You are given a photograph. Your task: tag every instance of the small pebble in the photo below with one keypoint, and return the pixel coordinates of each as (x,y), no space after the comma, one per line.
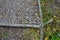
(36,14)
(35,3)
(1,16)
(54,16)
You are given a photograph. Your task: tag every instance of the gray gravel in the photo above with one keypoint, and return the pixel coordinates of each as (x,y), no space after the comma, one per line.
(18,34)
(19,12)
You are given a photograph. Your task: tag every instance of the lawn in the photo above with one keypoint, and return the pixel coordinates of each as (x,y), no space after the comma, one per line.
(51,11)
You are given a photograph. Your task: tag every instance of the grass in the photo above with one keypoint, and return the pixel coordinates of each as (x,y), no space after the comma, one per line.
(52,30)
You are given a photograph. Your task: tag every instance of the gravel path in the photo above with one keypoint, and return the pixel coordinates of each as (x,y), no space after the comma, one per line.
(19,34)
(19,12)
